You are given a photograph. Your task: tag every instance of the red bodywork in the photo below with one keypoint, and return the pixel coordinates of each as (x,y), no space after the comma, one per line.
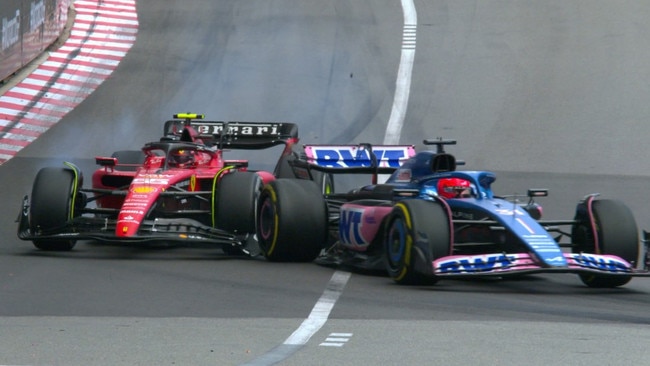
(171,191)
(143,184)
(156,176)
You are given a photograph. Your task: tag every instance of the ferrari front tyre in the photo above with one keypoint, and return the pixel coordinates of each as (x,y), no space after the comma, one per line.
(616,233)
(292,221)
(417,233)
(51,207)
(235,202)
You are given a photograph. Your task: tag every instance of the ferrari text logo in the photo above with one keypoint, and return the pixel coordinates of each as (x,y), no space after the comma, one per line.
(239,129)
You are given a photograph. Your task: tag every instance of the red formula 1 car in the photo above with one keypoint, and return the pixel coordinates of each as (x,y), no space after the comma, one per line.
(179,190)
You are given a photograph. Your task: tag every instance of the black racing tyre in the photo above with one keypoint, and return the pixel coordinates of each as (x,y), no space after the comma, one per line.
(52,207)
(292,221)
(130,157)
(235,202)
(617,235)
(417,232)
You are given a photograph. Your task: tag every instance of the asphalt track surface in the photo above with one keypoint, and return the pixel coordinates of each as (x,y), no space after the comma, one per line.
(547,94)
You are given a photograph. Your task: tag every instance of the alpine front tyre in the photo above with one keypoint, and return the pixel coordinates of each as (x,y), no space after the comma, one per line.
(615,231)
(417,233)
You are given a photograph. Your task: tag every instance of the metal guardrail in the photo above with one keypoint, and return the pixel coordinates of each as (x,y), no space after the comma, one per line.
(29,27)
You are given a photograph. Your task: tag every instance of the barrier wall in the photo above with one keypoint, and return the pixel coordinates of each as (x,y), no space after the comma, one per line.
(28,28)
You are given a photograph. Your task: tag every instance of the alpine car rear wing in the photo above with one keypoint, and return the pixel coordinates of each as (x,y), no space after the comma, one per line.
(352,159)
(234,135)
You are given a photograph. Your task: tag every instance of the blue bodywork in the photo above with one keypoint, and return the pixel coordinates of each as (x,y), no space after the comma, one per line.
(488,234)
(508,214)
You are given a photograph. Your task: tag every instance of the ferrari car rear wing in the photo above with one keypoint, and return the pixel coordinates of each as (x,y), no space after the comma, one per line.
(362,158)
(234,135)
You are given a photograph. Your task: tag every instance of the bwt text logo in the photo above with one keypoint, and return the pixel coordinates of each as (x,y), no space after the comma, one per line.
(472,264)
(350,226)
(598,262)
(347,157)
(10,31)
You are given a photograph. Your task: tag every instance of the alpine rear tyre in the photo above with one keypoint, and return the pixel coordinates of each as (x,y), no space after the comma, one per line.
(292,221)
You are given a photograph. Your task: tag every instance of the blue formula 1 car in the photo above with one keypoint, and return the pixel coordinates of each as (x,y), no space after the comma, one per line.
(429,221)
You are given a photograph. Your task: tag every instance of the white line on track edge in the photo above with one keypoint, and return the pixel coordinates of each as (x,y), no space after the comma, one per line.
(321,310)
(403,83)
(323,307)
(309,326)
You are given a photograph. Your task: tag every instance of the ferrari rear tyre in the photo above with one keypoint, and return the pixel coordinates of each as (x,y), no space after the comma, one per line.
(617,234)
(292,221)
(236,202)
(417,232)
(52,207)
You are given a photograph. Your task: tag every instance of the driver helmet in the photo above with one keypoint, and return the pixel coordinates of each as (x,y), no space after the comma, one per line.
(454,188)
(181,158)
